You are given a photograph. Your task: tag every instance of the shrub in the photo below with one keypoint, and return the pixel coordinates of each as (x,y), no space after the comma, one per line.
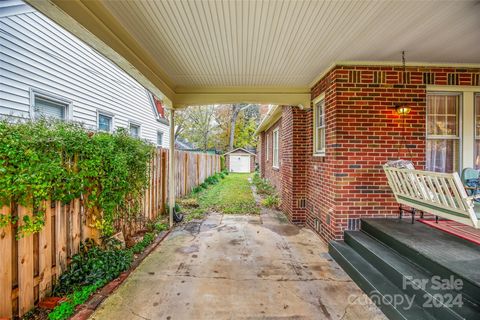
(92,265)
(211,180)
(271,201)
(197,189)
(67,308)
(59,161)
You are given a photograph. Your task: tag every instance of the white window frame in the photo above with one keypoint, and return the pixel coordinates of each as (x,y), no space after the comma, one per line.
(316,129)
(137,124)
(267,146)
(34,93)
(163,134)
(476,161)
(467,118)
(460,128)
(275,149)
(107,114)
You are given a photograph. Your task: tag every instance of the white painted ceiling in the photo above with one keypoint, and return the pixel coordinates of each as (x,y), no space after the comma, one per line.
(277,43)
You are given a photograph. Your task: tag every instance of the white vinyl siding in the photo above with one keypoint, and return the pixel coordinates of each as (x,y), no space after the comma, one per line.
(38,55)
(276,155)
(319,127)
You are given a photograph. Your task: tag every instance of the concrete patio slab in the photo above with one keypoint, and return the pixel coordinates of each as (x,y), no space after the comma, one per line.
(239,267)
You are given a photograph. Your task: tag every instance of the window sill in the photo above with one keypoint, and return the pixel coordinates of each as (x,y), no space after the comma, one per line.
(319,154)
(276,168)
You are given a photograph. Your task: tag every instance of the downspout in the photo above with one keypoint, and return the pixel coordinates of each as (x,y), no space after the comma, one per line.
(171,168)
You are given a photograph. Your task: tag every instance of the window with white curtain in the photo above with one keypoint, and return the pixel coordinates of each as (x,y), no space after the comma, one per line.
(477,131)
(276,162)
(443,132)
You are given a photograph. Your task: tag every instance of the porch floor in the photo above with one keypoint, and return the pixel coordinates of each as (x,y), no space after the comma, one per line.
(239,267)
(459,256)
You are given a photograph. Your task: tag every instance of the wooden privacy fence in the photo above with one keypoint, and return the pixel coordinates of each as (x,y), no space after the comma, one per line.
(30,266)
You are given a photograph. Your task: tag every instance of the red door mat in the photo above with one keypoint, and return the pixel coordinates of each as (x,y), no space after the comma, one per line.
(455,228)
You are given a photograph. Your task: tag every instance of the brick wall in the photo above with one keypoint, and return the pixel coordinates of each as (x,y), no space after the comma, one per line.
(266,168)
(363,132)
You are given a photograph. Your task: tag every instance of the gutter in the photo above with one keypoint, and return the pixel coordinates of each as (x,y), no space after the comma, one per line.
(272,116)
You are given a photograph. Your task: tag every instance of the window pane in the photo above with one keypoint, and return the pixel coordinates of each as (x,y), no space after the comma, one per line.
(320,113)
(477,131)
(134,130)
(442,155)
(477,116)
(49,109)
(159,138)
(104,123)
(442,111)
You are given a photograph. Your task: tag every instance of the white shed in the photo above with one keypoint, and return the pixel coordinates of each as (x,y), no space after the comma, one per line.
(240,160)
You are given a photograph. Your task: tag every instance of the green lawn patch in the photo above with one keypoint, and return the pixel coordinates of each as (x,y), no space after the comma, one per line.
(230,195)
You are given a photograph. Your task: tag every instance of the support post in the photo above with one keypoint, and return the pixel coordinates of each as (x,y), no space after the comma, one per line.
(171,168)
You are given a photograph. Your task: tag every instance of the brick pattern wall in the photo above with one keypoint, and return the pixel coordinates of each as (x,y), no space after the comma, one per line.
(267,170)
(364,132)
(293,171)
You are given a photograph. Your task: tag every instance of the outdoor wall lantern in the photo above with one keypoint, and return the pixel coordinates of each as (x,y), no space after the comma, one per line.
(402,110)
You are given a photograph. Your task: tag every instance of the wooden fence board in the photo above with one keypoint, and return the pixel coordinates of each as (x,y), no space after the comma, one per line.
(45,253)
(25,267)
(6,239)
(29,272)
(60,238)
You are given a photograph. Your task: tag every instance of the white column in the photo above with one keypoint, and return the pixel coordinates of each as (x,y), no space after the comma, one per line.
(171,167)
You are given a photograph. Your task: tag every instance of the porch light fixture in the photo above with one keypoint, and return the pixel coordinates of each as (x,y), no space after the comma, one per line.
(403,109)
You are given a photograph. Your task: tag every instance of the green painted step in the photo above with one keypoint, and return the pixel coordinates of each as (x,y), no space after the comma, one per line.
(423,246)
(375,284)
(396,268)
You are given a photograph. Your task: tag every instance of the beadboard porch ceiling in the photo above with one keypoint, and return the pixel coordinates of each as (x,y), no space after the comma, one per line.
(267,51)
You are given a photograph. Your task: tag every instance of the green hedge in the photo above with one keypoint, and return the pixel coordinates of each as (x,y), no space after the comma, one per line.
(54,160)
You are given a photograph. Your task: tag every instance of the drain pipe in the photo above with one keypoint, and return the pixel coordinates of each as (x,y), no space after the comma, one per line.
(171,168)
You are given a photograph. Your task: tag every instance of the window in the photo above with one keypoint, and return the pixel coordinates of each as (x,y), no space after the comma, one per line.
(105,122)
(48,108)
(319,127)
(477,131)
(159,138)
(134,130)
(443,132)
(267,146)
(275,162)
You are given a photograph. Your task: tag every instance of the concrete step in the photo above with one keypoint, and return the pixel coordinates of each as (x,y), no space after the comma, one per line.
(386,295)
(441,303)
(441,254)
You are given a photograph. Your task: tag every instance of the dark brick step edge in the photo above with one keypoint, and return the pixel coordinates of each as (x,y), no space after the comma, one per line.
(84,311)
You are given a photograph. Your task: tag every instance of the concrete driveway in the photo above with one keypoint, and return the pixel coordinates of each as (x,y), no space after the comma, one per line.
(239,267)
